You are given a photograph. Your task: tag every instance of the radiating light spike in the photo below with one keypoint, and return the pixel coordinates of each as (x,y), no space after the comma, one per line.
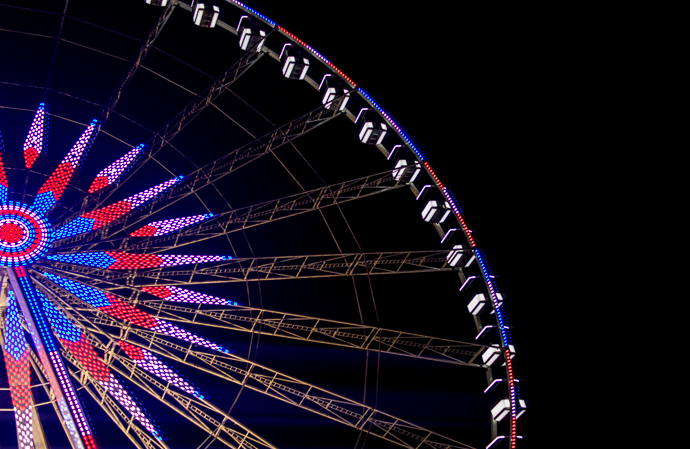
(51,191)
(115,260)
(75,342)
(114,172)
(149,362)
(16,353)
(38,327)
(117,308)
(35,143)
(101,217)
(176,294)
(163,227)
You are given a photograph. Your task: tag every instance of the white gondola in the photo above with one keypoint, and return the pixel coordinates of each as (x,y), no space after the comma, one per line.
(373,130)
(250,33)
(477,304)
(205,14)
(455,256)
(334,94)
(436,212)
(295,63)
(405,171)
(502,409)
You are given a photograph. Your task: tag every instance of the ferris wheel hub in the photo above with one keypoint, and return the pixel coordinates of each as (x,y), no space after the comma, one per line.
(25,236)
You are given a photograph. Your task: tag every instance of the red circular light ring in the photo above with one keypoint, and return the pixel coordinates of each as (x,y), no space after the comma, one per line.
(25,236)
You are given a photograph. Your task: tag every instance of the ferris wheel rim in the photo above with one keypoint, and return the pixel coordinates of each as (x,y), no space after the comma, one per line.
(505,342)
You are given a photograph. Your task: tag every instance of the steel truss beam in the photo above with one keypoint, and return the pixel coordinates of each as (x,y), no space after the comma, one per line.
(196,411)
(146,45)
(265,212)
(319,330)
(300,327)
(298,393)
(274,384)
(124,421)
(273,268)
(215,170)
(279,386)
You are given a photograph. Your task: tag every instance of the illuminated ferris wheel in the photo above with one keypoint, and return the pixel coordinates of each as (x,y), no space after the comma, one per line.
(229,243)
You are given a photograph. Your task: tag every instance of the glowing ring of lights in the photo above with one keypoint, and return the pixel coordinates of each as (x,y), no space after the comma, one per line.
(24,235)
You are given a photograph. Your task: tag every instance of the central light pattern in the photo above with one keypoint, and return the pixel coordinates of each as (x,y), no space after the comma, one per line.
(25,236)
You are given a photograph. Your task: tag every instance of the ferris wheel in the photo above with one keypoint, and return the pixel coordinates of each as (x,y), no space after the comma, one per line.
(210,236)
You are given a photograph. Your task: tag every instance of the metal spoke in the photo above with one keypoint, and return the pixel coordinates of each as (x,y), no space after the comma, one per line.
(213,171)
(259,214)
(322,331)
(146,45)
(205,415)
(305,328)
(192,110)
(275,268)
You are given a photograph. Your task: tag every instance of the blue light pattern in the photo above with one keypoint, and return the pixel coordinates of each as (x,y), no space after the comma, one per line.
(77,226)
(96,259)
(89,294)
(15,343)
(60,324)
(254,12)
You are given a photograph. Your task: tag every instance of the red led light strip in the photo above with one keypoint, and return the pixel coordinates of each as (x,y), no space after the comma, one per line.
(509,363)
(466,228)
(318,55)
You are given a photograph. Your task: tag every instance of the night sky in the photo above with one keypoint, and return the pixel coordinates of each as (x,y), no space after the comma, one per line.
(461,84)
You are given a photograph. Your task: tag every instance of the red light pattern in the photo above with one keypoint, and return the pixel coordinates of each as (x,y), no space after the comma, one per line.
(58,180)
(3,175)
(101,217)
(144,231)
(107,214)
(133,352)
(19,380)
(125,312)
(113,172)
(30,156)
(34,143)
(318,55)
(161,292)
(88,358)
(99,183)
(164,227)
(90,361)
(24,235)
(10,232)
(177,294)
(126,261)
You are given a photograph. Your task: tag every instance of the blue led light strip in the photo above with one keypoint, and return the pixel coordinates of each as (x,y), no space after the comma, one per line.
(242,5)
